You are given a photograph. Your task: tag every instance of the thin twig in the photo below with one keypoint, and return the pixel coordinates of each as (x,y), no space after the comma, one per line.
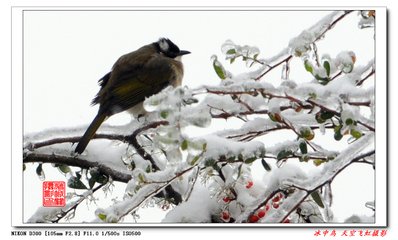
(77,203)
(365,78)
(287,59)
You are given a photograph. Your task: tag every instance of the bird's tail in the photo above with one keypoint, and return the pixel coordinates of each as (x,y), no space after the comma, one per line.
(95,124)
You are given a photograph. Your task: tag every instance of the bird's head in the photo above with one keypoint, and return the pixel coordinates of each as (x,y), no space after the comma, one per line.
(169,49)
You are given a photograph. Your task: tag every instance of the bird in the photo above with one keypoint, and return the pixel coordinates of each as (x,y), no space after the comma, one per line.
(134,77)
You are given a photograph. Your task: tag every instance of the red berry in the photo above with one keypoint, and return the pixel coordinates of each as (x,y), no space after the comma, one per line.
(249,184)
(253,218)
(286,220)
(261,213)
(275,205)
(225,216)
(226,199)
(276,199)
(266,207)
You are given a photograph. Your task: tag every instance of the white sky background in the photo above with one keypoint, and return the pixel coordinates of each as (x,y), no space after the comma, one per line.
(66,52)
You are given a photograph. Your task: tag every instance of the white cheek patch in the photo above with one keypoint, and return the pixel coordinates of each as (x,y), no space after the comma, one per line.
(164,45)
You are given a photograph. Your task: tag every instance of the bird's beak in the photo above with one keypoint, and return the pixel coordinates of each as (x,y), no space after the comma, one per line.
(183,52)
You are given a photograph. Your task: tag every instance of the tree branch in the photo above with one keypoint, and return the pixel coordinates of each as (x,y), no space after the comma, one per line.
(77,162)
(337,172)
(77,203)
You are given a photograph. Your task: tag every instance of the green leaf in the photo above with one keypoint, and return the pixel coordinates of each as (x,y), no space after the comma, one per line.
(312,95)
(250,160)
(232,60)
(266,166)
(337,133)
(164,114)
(303,147)
(355,133)
(39,171)
(322,80)
(318,162)
(284,154)
(326,114)
(338,136)
(240,170)
(64,168)
(317,198)
(304,158)
(219,69)
(99,178)
(319,118)
(349,121)
(308,66)
(307,133)
(141,178)
(210,162)
(91,182)
(204,146)
(322,116)
(148,168)
(102,216)
(231,51)
(326,65)
(194,160)
(76,183)
(184,145)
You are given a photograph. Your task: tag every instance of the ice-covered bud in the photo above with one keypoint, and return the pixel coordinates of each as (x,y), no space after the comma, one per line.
(301,44)
(345,61)
(229,49)
(368,19)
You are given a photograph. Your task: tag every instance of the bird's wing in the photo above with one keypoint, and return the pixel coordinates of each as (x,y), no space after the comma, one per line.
(130,83)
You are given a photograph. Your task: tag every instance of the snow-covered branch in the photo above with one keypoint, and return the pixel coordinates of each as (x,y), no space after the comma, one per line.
(247,122)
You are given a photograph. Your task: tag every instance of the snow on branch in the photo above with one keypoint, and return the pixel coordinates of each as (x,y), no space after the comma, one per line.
(247,122)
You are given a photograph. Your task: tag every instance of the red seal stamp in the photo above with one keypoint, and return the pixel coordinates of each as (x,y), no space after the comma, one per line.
(53,194)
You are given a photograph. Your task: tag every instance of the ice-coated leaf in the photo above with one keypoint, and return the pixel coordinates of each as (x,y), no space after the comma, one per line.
(303,147)
(219,69)
(349,121)
(308,66)
(355,133)
(91,182)
(317,198)
(250,160)
(284,154)
(76,183)
(231,51)
(64,168)
(194,160)
(266,166)
(326,65)
(307,133)
(184,145)
(102,216)
(164,114)
(40,172)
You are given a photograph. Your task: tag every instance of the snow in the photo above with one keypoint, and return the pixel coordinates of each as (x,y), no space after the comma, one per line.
(49,214)
(218,146)
(202,190)
(198,209)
